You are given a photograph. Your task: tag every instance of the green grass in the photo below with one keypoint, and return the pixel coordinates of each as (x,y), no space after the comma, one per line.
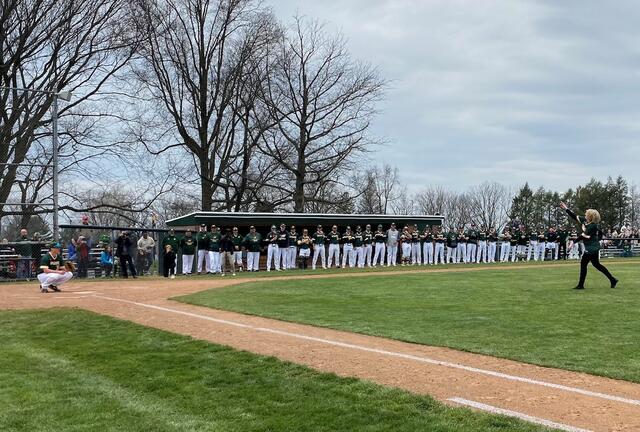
(70,370)
(530,315)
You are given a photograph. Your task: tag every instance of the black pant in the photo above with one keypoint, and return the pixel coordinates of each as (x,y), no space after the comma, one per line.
(169,268)
(594,259)
(124,261)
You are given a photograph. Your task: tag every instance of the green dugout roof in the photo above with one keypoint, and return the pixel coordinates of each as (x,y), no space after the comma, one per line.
(302,220)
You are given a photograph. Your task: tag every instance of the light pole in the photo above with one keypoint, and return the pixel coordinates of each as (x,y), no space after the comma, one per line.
(66,96)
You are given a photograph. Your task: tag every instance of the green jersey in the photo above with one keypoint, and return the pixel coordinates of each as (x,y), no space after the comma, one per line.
(367,237)
(472,236)
(237,242)
(358,239)
(334,237)
(304,241)
(380,237)
(203,240)
(252,242)
(319,238)
(188,245)
(214,242)
(51,262)
(452,239)
(170,240)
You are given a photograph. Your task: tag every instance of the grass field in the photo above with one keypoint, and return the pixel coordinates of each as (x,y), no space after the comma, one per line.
(70,370)
(531,315)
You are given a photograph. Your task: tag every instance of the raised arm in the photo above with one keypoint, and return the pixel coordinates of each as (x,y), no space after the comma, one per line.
(571,214)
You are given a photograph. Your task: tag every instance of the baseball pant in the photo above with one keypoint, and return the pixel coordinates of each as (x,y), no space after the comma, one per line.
(416,253)
(542,246)
(55,279)
(439,253)
(283,257)
(318,251)
(273,254)
(392,255)
(406,252)
(334,251)
(368,251)
(214,261)
(491,252)
(253,261)
(203,255)
(380,252)
(481,253)
(533,250)
(237,256)
(574,252)
(553,247)
(187,264)
(505,248)
(359,253)
(452,255)
(347,252)
(461,253)
(293,252)
(427,253)
(472,249)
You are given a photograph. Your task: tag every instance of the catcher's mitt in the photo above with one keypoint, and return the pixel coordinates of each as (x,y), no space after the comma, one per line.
(69,266)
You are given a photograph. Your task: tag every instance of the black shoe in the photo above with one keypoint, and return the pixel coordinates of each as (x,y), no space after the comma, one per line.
(55,288)
(614,283)
(578,287)
(43,290)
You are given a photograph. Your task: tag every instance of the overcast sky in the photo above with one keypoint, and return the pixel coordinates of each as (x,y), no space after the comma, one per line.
(512,91)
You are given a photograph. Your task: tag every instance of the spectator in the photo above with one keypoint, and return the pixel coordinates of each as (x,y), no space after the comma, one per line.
(83,257)
(23,248)
(72,254)
(106,261)
(226,253)
(146,247)
(169,262)
(124,253)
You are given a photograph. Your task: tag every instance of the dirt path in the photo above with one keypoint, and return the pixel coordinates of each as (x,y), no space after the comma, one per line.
(574,401)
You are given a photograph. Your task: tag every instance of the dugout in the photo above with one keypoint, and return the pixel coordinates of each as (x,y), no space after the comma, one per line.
(263,221)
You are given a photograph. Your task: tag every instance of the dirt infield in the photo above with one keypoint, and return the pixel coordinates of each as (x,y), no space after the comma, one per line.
(574,401)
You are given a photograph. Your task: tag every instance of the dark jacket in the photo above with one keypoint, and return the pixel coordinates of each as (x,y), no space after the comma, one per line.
(124,246)
(226,244)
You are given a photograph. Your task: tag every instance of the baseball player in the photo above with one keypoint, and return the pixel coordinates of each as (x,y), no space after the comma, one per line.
(237,240)
(273,251)
(481,254)
(542,244)
(347,248)
(521,235)
(416,249)
(188,247)
(54,271)
(305,242)
(405,245)
(283,247)
(334,247)
(202,239)
(461,250)
(563,237)
(252,243)
(552,243)
(505,245)
(214,250)
(367,239)
(533,245)
(318,248)
(472,243)
(574,251)
(358,247)
(293,248)
(452,247)
(392,239)
(492,245)
(427,246)
(439,246)
(380,239)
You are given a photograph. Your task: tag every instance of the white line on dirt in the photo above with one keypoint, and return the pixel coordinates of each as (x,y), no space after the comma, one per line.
(521,416)
(388,353)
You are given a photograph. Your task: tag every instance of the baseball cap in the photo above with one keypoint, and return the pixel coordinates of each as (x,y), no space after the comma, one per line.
(55,245)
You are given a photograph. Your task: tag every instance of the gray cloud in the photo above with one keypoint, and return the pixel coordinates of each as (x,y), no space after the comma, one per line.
(512,91)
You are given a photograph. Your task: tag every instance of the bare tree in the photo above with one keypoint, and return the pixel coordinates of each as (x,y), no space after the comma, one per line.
(381,190)
(322,102)
(197,76)
(47,46)
(489,204)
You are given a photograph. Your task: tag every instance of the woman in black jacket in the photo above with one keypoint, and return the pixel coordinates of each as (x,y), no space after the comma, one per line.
(124,252)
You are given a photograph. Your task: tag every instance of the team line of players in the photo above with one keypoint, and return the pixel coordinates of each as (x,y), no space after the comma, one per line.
(288,249)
